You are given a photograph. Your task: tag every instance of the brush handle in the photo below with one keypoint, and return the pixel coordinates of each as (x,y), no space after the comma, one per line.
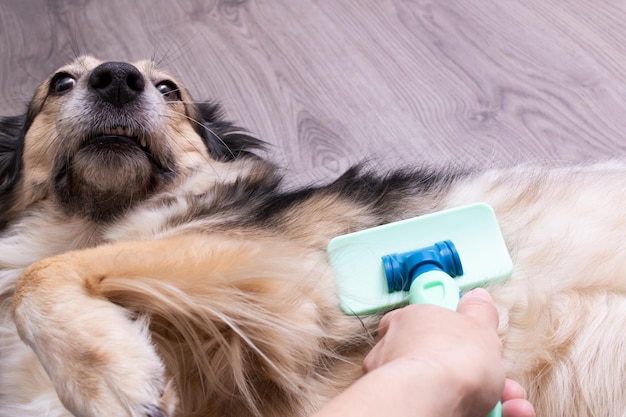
(438,288)
(497,410)
(435,287)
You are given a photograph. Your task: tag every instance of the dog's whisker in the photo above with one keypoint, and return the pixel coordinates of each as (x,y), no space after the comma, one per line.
(207,128)
(174,52)
(13,100)
(27,72)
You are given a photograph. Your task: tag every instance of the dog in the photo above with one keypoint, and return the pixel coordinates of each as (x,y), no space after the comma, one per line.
(153,264)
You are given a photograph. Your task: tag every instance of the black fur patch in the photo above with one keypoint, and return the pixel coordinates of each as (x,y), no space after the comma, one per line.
(262,201)
(11,149)
(11,146)
(381,193)
(224,141)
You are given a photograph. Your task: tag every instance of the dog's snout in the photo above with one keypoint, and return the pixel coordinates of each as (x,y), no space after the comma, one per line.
(117,82)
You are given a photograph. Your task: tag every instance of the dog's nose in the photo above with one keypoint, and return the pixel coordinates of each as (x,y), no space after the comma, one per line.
(117,82)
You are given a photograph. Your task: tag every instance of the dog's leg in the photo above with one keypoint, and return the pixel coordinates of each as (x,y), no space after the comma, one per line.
(99,356)
(99,359)
(79,311)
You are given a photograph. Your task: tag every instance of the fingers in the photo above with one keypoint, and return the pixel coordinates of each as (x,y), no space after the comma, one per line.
(384,323)
(512,390)
(514,403)
(518,408)
(478,304)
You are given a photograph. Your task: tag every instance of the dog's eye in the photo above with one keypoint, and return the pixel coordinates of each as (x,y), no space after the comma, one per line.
(62,83)
(169,90)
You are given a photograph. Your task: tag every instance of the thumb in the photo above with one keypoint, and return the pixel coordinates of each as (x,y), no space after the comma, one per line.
(478,304)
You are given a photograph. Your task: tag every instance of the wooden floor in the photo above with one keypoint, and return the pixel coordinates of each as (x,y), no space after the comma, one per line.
(330,83)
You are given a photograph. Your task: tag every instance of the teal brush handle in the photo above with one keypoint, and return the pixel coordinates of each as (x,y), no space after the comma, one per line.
(438,288)
(435,287)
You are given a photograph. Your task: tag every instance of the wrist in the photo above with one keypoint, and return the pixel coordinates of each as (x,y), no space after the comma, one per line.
(424,384)
(450,389)
(404,387)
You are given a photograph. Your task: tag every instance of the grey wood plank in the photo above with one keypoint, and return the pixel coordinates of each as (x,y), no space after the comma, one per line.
(331,83)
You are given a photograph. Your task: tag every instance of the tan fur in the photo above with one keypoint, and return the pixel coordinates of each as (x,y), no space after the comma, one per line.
(215,317)
(233,303)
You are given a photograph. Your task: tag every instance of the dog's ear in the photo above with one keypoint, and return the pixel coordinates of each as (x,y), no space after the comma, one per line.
(224,141)
(11,148)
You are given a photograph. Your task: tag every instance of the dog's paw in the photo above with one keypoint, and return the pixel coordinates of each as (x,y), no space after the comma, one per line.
(116,405)
(126,397)
(126,379)
(124,384)
(100,361)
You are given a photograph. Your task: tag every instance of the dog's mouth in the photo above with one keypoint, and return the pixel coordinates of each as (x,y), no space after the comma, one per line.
(110,170)
(124,133)
(121,139)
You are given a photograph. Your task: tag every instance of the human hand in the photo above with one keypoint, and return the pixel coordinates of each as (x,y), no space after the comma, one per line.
(458,353)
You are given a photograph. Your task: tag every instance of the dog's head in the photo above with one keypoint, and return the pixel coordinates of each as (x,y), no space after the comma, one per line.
(100,136)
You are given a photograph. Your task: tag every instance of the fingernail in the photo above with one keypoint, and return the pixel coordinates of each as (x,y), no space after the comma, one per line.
(480,293)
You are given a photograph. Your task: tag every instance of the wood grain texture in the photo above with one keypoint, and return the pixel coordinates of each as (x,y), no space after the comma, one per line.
(330,83)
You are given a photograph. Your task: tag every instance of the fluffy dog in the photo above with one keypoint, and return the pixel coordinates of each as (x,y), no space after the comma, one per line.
(151,264)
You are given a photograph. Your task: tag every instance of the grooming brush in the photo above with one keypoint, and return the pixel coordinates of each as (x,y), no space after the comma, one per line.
(427,259)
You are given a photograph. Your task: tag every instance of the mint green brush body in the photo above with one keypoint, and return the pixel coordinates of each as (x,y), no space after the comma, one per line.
(427,259)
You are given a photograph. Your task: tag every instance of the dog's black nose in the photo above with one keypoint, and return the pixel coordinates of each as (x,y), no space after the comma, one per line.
(117,82)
